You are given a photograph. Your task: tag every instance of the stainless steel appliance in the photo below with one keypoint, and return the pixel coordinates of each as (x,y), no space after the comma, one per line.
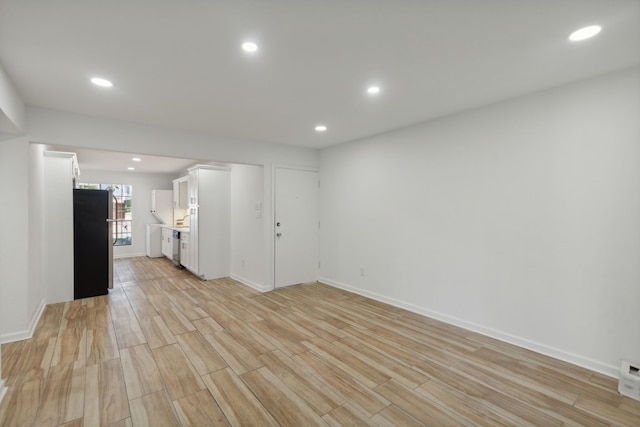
(176,248)
(92,243)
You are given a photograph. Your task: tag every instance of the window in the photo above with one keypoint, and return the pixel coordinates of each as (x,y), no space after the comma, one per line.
(121,210)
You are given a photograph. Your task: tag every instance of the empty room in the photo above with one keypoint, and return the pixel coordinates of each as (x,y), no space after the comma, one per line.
(296,212)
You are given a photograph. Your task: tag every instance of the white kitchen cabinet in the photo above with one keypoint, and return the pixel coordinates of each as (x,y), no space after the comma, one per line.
(181,193)
(193,219)
(154,241)
(185,250)
(167,242)
(209,221)
(161,205)
(176,193)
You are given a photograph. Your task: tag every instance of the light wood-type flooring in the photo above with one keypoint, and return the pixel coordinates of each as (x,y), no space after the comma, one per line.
(164,349)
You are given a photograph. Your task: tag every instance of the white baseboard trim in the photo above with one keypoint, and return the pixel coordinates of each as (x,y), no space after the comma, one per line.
(575,359)
(36,318)
(3,389)
(129,256)
(247,282)
(25,335)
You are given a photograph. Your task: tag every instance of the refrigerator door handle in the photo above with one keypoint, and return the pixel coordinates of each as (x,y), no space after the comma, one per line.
(110,220)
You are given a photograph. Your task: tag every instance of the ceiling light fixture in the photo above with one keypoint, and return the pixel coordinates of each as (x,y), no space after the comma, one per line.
(373,90)
(136,159)
(131,169)
(101,82)
(585,33)
(320,128)
(249,47)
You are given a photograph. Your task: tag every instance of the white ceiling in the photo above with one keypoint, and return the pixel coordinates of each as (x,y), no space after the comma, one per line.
(179,63)
(113,161)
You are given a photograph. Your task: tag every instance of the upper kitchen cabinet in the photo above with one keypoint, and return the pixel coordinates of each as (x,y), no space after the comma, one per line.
(209,221)
(181,193)
(161,205)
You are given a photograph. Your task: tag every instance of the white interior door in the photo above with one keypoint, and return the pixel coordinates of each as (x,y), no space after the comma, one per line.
(296,226)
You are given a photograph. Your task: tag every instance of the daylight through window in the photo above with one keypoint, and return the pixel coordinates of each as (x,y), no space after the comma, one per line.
(121,210)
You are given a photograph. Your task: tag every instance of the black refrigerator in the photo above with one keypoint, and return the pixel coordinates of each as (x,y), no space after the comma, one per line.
(92,243)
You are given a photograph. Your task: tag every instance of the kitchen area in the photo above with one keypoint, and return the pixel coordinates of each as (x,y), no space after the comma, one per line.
(204,217)
(195,222)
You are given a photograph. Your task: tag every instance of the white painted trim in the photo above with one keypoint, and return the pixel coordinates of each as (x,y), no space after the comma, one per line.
(297,168)
(61,154)
(27,334)
(575,359)
(3,390)
(36,318)
(121,256)
(14,336)
(254,285)
(212,167)
(75,169)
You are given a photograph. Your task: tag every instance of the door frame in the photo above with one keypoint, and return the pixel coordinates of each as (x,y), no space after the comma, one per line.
(272,227)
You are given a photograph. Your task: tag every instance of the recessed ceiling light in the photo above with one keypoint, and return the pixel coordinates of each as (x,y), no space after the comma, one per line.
(101,82)
(373,90)
(136,159)
(131,169)
(320,128)
(249,47)
(585,33)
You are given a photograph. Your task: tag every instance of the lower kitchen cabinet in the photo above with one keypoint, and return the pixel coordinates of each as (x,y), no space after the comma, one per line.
(167,242)
(185,256)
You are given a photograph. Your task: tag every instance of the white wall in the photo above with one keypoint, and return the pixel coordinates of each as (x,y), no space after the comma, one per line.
(12,121)
(58,266)
(519,220)
(12,110)
(36,291)
(141,215)
(14,245)
(247,231)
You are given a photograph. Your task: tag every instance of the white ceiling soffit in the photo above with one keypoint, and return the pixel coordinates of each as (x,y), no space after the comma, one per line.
(179,63)
(111,161)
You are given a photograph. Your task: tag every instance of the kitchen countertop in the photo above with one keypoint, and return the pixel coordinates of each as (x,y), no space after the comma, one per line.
(173,227)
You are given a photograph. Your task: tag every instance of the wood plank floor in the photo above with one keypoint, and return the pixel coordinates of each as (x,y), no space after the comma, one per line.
(164,348)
